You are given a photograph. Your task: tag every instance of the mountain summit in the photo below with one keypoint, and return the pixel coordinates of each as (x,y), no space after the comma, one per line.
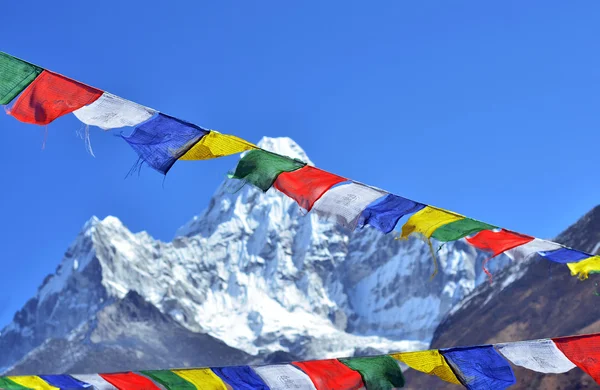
(250,277)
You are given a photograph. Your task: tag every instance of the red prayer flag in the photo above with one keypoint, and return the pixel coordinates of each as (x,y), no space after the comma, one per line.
(331,375)
(129,381)
(50,96)
(498,242)
(306,185)
(583,351)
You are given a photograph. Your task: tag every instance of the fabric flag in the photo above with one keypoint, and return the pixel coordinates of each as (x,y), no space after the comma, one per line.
(163,139)
(585,267)
(96,381)
(307,184)
(345,203)
(284,377)
(240,378)
(202,378)
(129,380)
(378,372)
(430,362)
(459,229)
(169,379)
(261,168)
(331,374)
(584,351)
(215,144)
(31,382)
(536,355)
(15,76)
(7,384)
(498,242)
(385,214)
(531,248)
(480,367)
(51,96)
(427,221)
(112,112)
(65,382)
(565,255)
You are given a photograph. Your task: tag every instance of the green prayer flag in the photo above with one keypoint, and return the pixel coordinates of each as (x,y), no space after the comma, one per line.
(378,372)
(15,76)
(261,168)
(169,379)
(7,384)
(459,229)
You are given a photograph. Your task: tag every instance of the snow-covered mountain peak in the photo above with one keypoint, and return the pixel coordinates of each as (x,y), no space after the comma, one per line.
(284,146)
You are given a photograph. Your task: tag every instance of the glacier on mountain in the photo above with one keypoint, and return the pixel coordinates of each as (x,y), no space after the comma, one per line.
(254,271)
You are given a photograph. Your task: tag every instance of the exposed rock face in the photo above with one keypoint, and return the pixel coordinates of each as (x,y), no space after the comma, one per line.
(544,301)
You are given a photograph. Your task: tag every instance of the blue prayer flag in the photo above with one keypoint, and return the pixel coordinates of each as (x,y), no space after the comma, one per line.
(240,378)
(480,367)
(161,140)
(565,255)
(65,382)
(385,214)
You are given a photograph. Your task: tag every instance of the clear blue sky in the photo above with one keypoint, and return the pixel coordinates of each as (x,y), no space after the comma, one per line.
(490,109)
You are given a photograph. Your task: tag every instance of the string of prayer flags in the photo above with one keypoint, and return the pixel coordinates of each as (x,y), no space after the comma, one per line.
(583,351)
(331,374)
(261,168)
(535,246)
(430,362)
(585,267)
(476,367)
(15,76)
(129,380)
(345,203)
(39,96)
(215,144)
(564,255)
(459,229)
(113,112)
(536,355)
(202,378)
(480,367)
(284,377)
(385,213)
(240,378)
(377,372)
(51,96)
(161,140)
(307,184)
(169,379)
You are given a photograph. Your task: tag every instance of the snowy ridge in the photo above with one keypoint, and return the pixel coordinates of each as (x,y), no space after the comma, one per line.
(254,271)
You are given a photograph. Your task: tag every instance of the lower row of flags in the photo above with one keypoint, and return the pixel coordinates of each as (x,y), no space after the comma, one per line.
(478,367)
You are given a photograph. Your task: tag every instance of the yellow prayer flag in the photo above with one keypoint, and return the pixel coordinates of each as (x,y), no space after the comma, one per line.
(202,378)
(32,382)
(584,267)
(215,144)
(428,220)
(430,362)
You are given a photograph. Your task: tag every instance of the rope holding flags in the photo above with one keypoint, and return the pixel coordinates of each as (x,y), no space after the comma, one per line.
(39,96)
(479,367)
